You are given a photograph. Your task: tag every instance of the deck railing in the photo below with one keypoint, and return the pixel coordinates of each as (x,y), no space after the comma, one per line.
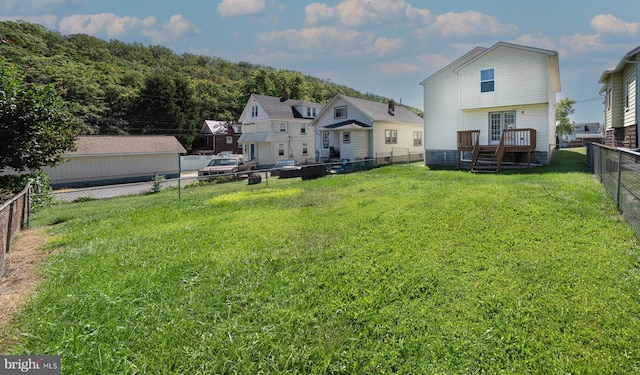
(468,140)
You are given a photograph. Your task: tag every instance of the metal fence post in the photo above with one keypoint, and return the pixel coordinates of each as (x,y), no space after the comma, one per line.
(619,179)
(10,224)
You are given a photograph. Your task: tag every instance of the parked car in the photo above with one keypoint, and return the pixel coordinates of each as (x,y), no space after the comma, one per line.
(229,165)
(286,169)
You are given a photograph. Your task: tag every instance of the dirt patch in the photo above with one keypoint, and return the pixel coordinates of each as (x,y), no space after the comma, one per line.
(21,271)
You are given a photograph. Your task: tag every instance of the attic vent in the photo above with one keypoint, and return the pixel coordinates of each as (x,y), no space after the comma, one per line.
(392,108)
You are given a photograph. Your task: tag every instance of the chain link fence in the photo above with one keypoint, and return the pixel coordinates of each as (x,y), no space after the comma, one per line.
(619,172)
(159,183)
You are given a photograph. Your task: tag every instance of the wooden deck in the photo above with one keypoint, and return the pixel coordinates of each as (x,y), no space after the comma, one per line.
(489,157)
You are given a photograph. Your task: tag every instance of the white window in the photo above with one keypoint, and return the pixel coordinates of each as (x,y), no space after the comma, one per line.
(313,112)
(254,111)
(303,128)
(281,149)
(305,149)
(417,138)
(340,112)
(283,127)
(487,80)
(609,98)
(390,136)
(627,92)
(229,139)
(308,111)
(346,137)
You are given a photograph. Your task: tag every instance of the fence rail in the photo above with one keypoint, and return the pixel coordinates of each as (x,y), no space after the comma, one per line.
(619,172)
(14,214)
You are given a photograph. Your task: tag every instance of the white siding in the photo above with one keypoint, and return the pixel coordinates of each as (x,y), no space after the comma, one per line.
(442,115)
(532,116)
(120,167)
(521,77)
(352,114)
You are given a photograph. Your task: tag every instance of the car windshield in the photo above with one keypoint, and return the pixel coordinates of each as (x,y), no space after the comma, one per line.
(283,163)
(216,162)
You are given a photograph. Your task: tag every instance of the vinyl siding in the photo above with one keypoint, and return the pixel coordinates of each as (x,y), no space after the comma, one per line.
(405,138)
(521,77)
(629,77)
(119,167)
(531,116)
(442,115)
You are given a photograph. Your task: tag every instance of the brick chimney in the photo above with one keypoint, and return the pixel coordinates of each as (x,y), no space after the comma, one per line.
(285,96)
(392,107)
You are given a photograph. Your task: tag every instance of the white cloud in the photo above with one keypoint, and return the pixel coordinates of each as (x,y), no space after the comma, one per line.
(231,8)
(319,39)
(608,23)
(355,13)
(176,28)
(566,45)
(114,26)
(471,23)
(103,23)
(384,46)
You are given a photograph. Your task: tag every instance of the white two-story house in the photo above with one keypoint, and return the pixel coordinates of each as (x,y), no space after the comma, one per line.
(277,129)
(487,91)
(619,86)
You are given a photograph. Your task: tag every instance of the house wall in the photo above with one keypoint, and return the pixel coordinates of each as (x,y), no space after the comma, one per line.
(614,112)
(511,66)
(405,138)
(110,169)
(442,115)
(629,79)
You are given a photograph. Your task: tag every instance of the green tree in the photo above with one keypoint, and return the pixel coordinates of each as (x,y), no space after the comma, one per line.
(564,108)
(35,126)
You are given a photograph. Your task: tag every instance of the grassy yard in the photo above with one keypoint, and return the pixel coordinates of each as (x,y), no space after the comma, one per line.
(401,269)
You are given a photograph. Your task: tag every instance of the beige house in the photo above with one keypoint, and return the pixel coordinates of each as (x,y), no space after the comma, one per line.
(619,86)
(356,129)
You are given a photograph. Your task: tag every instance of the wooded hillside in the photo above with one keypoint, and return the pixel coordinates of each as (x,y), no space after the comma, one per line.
(113,87)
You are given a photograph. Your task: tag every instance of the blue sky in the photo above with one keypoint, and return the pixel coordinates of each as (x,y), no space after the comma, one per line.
(386,47)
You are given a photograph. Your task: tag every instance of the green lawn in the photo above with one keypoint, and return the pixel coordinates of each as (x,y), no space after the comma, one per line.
(401,269)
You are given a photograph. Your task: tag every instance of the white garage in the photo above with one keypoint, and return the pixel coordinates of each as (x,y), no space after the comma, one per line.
(105,160)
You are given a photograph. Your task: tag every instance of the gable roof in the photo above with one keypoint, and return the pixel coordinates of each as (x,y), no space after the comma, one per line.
(215,127)
(97,145)
(377,111)
(282,108)
(625,60)
(478,52)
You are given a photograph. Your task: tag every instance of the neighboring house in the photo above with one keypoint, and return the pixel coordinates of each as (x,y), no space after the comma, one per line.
(621,102)
(591,132)
(218,136)
(357,129)
(486,91)
(105,160)
(278,129)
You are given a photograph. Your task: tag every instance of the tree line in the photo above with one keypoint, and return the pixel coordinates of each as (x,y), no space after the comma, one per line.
(112,87)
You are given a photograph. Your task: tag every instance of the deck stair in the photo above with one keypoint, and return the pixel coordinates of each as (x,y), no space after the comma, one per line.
(486,160)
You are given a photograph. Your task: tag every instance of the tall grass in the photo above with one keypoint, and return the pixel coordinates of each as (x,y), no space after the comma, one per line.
(401,269)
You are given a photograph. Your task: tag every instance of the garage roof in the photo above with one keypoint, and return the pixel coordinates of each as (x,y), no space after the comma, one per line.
(96,145)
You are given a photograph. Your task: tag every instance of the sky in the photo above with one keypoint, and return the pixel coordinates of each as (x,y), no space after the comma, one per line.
(385,47)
